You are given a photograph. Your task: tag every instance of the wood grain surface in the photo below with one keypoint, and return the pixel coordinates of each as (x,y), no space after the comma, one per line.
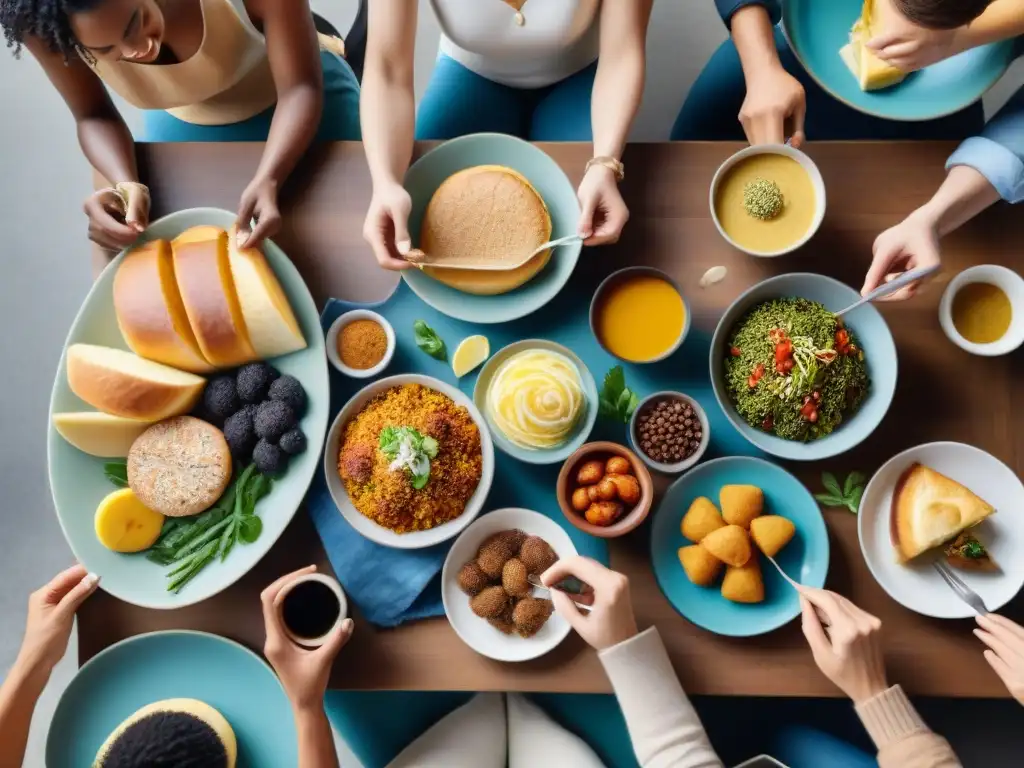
(942,394)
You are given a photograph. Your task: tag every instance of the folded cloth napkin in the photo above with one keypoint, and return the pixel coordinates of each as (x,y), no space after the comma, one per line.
(390,586)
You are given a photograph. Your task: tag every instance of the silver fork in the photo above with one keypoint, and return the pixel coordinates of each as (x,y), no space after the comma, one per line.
(960,589)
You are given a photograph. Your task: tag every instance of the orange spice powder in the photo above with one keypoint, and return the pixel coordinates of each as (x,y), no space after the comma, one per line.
(362,344)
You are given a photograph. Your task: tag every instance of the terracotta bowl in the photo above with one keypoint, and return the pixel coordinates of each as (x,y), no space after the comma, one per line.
(567,484)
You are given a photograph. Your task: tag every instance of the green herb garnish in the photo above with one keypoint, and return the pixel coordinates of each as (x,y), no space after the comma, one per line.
(616,400)
(409,450)
(972,550)
(846,495)
(117,472)
(762,199)
(428,340)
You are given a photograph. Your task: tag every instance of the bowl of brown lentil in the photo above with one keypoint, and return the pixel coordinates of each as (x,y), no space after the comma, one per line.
(669,431)
(360,344)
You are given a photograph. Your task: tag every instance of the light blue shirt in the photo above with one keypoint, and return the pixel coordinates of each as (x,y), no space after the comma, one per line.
(998,154)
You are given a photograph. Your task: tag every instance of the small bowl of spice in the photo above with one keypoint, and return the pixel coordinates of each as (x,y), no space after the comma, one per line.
(670,432)
(604,489)
(982,310)
(360,343)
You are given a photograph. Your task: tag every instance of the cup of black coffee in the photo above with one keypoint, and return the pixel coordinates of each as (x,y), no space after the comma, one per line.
(311,607)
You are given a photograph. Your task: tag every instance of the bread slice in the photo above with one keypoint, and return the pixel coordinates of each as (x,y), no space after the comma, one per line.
(99,434)
(203,272)
(150,311)
(929,509)
(871,72)
(123,384)
(269,320)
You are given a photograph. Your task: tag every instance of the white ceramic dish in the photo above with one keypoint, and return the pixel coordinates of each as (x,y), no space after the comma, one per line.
(1011,284)
(476,632)
(332,343)
(772,149)
(689,461)
(363,524)
(333,585)
(916,585)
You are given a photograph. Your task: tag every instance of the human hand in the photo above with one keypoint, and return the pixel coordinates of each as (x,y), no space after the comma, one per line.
(845,643)
(259,201)
(611,621)
(911,47)
(1005,654)
(304,672)
(386,228)
(775,105)
(51,614)
(604,212)
(117,216)
(911,244)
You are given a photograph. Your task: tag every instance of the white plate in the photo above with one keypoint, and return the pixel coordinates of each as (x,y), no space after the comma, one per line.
(476,632)
(916,585)
(366,526)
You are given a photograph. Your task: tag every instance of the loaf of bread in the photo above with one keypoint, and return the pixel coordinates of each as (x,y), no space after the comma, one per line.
(123,384)
(269,320)
(150,311)
(99,434)
(203,272)
(179,467)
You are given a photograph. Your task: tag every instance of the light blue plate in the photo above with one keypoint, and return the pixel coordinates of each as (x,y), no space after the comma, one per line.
(170,665)
(817,29)
(874,337)
(805,558)
(584,425)
(426,175)
(77,481)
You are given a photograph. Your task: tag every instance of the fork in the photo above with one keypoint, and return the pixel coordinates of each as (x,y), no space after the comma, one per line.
(538,584)
(960,589)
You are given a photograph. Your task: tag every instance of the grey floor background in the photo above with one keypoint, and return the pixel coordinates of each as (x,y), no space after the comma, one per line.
(46,275)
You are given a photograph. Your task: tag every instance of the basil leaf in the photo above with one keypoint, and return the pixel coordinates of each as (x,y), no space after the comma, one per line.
(831,484)
(250,529)
(614,383)
(607,408)
(117,472)
(854,499)
(428,341)
(828,500)
(853,480)
(634,401)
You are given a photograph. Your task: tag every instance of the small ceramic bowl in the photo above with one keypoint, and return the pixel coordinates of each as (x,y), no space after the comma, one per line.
(772,149)
(567,484)
(332,343)
(617,277)
(1010,283)
(330,583)
(689,461)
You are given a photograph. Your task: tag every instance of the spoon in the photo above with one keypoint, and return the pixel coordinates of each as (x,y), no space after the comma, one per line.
(418,258)
(892,286)
(538,584)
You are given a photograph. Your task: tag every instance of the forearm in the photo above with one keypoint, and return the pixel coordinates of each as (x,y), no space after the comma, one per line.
(615,99)
(901,736)
(18,696)
(316,740)
(388,116)
(1002,20)
(963,195)
(728,9)
(109,147)
(754,37)
(296,119)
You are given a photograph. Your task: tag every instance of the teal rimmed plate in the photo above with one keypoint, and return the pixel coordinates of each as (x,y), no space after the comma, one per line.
(584,424)
(77,481)
(427,174)
(176,664)
(804,559)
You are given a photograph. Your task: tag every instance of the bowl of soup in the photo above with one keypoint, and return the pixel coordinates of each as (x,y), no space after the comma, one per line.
(768,200)
(639,315)
(982,310)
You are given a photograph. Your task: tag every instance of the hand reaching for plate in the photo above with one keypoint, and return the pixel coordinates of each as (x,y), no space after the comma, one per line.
(1005,653)
(611,621)
(51,614)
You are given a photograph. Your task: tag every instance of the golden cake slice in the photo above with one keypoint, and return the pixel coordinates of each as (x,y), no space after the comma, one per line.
(871,72)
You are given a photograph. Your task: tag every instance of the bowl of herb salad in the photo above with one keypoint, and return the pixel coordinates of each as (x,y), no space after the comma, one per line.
(796,381)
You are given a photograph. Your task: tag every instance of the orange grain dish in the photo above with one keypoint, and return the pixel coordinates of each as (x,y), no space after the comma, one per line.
(387,497)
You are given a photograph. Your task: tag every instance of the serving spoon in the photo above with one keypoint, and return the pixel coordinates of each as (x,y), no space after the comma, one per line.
(418,257)
(892,286)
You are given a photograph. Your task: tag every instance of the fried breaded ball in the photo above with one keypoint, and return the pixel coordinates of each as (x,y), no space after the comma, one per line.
(514,538)
(771,533)
(537,555)
(472,580)
(701,519)
(741,504)
(503,622)
(530,614)
(701,567)
(513,578)
(493,554)
(744,584)
(490,602)
(730,544)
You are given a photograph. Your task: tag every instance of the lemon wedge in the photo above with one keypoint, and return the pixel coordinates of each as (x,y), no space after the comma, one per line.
(471,352)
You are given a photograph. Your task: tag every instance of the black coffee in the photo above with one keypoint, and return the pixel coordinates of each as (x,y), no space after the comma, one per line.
(310,609)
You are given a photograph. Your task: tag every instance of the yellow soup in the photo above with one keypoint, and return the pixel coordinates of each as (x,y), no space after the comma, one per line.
(640,318)
(786,229)
(981,313)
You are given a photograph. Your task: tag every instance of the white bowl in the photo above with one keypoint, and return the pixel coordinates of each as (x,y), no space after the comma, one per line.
(363,524)
(1011,284)
(332,343)
(333,585)
(689,461)
(772,149)
(477,633)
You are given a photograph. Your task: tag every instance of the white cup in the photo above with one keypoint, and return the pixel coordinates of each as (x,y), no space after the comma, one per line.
(1006,280)
(334,586)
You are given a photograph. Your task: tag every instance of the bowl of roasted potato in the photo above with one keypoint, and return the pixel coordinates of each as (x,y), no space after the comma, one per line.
(604,489)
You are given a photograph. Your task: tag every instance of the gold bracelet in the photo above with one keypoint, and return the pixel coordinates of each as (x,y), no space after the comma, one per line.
(608,162)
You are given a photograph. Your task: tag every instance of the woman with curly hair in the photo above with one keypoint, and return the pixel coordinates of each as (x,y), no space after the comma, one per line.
(201,70)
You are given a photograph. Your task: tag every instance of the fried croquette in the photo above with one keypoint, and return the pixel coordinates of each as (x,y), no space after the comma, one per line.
(701,567)
(730,544)
(472,580)
(771,533)
(537,555)
(530,615)
(493,554)
(741,504)
(503,623)
(514,538)
(701,519)
(513,578)
(744,584)
(490,602)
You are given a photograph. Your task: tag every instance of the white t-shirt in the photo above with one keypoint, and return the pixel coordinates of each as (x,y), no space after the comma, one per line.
(558,38)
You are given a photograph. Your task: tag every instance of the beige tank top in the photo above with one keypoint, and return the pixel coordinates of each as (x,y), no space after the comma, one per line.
(226,81)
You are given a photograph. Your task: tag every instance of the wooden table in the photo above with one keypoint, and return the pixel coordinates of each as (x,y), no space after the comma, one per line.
(943,394)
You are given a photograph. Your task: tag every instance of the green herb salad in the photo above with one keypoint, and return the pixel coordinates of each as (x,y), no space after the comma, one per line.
(793,369)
